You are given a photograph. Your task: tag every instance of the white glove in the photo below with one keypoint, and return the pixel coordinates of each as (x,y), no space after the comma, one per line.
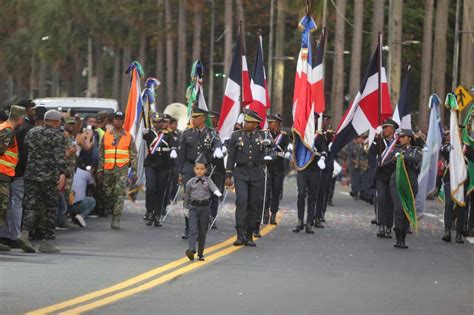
(266,142)
(173,154)
(397,154)
(218,193)
(218,153)
(321,163)
(378,130)
(288,155)
(267,158)
(224,149)
(290,147)
(145,131)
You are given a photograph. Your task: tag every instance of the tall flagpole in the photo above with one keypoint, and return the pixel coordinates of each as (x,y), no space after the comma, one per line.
(380,78)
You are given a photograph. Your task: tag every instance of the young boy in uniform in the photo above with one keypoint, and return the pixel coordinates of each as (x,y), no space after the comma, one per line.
(197,200)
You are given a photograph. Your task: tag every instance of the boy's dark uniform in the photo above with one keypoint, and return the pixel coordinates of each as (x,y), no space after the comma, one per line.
(197,196)
(158,169)
(245,163)
(276,171)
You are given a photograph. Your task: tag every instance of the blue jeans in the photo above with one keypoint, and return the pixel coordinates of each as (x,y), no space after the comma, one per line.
(83,207)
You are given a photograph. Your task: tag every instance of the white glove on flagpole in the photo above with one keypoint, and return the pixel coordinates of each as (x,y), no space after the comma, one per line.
(267,158)
(218,153)
(378,130)
(218,193)
(145,131)
(173,154)
(288,155)
(321,163)
(290,147)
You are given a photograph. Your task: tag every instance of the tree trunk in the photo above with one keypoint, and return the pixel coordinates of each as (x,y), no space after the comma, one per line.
(55,82)
(197,28)
(426,64)
(126,60)
(356,47)
(42,78)
(395,44)
(160,56)
(99,69)
(181,76)
(142,49)
(337,94)
(116,75)
(438,83)
(228,18)
(76,83)
(279,74)
(170,91)
(377,21)
(466,73)
(241,14)
(32,74)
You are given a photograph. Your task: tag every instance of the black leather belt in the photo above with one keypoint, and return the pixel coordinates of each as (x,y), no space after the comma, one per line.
(199,203)
(249,164)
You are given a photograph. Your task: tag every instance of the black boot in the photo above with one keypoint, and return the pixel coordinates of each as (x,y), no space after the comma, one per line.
(250,241)
(403,235)
(240,237)
(156,219)
(458,238)
(323,219)
(373,221)
(447,235)
(381,232)
(388,232)
(309,229)
(149,218)
(266,216)
(399,239)
(273,218)
(257,231)
(299,227)
(186,230)
(317,224)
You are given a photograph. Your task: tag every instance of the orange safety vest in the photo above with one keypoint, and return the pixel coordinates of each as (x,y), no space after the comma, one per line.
(116,154)
(9,159)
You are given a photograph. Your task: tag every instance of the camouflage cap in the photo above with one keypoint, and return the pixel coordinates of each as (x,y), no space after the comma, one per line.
(70,120)
(16,112)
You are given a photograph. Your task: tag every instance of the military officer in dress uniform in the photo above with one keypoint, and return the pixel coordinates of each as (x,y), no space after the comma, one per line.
(158,168)
(247,151)
(218,177)
(382,177)
(276,168)
(196,140)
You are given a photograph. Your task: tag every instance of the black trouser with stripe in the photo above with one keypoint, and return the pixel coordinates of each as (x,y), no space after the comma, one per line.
(198,223)
(452,211)
(322,201)
(308,181)
(384,203)
(156,186)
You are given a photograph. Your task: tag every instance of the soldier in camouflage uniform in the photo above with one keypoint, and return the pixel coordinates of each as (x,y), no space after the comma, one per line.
(8,159)
(358,165)
(116,154)
(45,177)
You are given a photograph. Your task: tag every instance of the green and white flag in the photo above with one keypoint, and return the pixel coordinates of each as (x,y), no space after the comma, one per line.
(405,192)
(469,141)
(195,93)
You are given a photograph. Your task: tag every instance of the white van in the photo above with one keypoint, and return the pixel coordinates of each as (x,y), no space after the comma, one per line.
(83,106)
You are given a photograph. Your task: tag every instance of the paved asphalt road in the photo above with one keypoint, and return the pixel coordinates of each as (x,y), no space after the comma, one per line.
(341,269)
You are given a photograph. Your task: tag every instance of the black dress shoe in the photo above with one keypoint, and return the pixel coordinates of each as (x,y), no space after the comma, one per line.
(330,204)
(373,221)
(185,236)
(299,227)
(157,223)
(459,239)
(318,225)
(273,219)
(309,229)
(201,258)
(190,254)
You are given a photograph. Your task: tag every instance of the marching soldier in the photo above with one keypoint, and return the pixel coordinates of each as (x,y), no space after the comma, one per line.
(116,154)
(158,168)
(276,168)
(308,181)
(380,148)
(8,159)
(218,177)
(358,165)
(247,152)
(45,177)
(326,174)
(196,140)
(412,157)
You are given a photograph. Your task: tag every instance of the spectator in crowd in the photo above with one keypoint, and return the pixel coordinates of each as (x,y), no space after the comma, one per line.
(82,205)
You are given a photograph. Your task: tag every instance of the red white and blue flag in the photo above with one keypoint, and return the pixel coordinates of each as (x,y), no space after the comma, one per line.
(258,86)
(317,87)
(303,103)
(237,92)
(367,111)
(134,117)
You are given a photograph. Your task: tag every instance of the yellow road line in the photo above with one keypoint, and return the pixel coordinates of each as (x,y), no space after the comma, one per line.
(162,279)
(126,283)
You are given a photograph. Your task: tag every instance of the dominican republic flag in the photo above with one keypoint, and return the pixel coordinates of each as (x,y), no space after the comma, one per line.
(303,106)
(258,86)
(367,111)
(317,87)
(237,92)
(402,115)
(134,119)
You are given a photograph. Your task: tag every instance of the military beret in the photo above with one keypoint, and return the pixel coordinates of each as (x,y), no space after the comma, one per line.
(119,115)
(251,116)
(53,114)
(16,112)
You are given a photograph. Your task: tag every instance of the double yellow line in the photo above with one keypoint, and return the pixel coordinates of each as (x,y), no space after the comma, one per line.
(141,282)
